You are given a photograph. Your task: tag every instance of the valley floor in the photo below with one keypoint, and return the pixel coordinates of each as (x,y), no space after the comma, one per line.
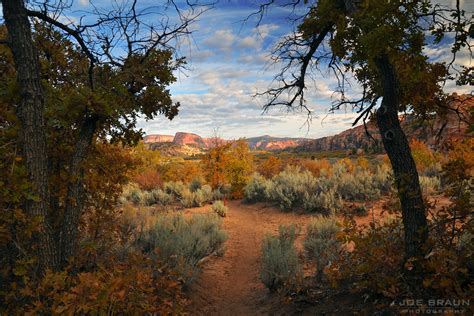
(230,284)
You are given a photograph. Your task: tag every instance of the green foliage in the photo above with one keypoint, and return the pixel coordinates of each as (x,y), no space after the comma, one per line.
(321,243)
(293,188)
(219,208)
(182,242)
(280,266)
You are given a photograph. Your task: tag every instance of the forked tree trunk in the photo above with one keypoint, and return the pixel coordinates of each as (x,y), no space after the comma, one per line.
(33,135)
(404,168)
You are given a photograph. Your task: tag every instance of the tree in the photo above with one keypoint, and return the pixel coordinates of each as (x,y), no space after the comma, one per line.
(229,164)
(240,167)
(76,83)
(379,43)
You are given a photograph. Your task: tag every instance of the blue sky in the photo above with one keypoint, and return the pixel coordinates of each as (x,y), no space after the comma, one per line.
(229,61)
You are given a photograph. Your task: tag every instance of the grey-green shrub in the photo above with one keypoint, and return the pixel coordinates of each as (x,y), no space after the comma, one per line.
(182,242)
(147,198)
(280,266)
(188,199)
(257,189)
(322,202)
(429,185)
(383,179)
(217,195)
(162,198)
(195,199)
(359,185)
(321,244)
(176,189)
(196,184)
(207,192)
(219,208)
(289,187)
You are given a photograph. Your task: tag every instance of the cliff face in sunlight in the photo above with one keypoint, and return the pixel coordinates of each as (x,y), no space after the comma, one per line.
(193,140)
(436,132)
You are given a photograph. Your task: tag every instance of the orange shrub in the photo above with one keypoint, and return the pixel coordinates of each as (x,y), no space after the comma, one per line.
(422,154)
(363,162)
(316,166)
(183,171)
(148,180)
(348,164)
(270,167)
(229,164)
(125,287)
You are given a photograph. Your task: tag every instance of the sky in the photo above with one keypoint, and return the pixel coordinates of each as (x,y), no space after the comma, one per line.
(229,62)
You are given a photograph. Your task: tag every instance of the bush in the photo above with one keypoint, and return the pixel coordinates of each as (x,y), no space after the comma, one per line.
(219,208)
(207,192)
(176,189)
(280,266)
(182,242)
(147,198)
(359,185)
(382,179)
(161,197)
(322,202)
(135,286)
(321,244)
(257,189)
(188,199)
(149,180)
(317,167)
(358,210)
(290,186)
(196,184)
(196,199)
(429,185)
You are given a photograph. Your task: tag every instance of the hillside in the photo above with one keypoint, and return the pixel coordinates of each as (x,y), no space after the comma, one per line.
(265,142)
(437,132)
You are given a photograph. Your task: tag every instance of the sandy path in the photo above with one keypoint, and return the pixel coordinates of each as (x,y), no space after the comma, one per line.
(230,285)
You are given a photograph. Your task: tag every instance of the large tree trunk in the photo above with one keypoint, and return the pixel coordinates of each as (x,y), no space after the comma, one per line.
(33,134)
(76,194)
(403,165)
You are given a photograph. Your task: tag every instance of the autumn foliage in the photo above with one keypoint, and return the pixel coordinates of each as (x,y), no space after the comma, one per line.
(229,164)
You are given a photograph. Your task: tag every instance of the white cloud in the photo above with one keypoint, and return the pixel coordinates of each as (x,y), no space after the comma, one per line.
(221,39)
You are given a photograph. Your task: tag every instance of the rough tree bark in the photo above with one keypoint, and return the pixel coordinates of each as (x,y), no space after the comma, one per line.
(404,168)
(30,113)
(75,193)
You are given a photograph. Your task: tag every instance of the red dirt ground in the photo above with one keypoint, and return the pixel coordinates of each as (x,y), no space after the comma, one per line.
(230,285)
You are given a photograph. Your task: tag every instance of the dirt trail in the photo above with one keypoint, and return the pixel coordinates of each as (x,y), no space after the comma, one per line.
(230,285)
